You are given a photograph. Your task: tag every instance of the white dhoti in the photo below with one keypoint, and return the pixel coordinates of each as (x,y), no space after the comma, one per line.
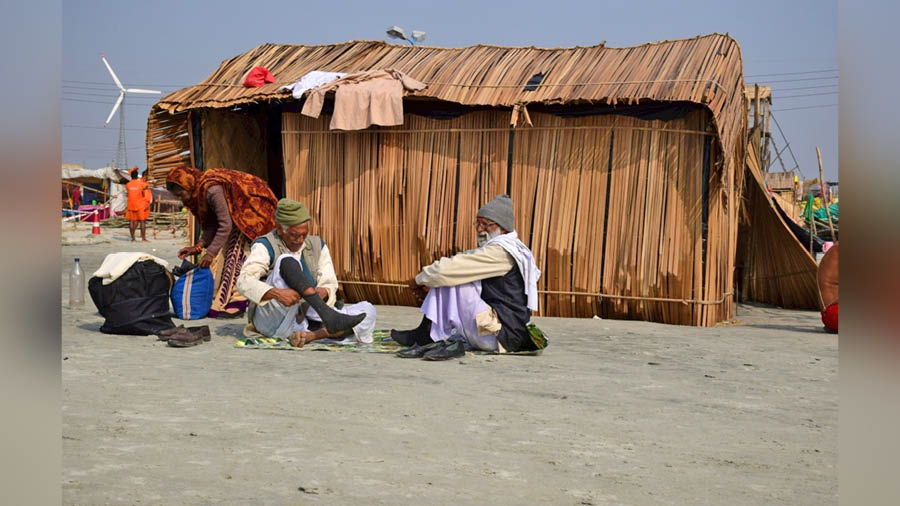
(459,310)
(364,331)
(274,319)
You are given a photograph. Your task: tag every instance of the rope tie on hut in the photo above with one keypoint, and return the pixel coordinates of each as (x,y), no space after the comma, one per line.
(472,85)
(508,129)
(561,292)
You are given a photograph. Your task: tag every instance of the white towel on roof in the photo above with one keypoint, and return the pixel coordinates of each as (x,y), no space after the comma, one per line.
(312,80)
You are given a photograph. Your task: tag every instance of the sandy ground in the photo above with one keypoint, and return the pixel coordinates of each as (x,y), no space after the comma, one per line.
(614,412)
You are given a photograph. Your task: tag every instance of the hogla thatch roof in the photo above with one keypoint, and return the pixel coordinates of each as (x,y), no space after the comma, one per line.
(705,70)
(694,70)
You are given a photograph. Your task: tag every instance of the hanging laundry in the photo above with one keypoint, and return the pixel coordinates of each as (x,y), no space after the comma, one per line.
(258,76)
(312,80)
(363,99)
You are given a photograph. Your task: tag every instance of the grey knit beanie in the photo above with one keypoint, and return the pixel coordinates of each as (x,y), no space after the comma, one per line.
(500,211)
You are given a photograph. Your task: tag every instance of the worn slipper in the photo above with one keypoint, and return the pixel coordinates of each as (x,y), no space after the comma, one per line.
(451,349)
(177,343)
(185,339)
(165,335)
(418,350)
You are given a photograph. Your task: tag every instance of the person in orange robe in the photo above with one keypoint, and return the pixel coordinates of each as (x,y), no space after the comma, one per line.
(138,210)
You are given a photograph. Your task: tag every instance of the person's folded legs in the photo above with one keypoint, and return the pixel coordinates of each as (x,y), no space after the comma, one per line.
(335,322)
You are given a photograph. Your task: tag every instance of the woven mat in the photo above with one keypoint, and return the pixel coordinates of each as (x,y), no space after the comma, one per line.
(382,343)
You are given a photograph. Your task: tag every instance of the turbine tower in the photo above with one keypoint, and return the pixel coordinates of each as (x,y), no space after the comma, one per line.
(121,161)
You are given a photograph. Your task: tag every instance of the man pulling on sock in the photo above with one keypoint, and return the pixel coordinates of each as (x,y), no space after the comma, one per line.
(289,279)
(485,295)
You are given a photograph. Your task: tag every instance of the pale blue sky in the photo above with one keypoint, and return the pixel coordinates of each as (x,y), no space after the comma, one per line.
(171,44)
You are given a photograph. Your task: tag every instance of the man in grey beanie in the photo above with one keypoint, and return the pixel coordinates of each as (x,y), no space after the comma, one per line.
(478,299)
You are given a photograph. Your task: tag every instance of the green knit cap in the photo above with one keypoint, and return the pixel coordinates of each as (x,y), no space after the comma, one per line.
(290,212)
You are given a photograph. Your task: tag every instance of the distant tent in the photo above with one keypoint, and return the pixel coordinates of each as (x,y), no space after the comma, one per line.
(106,178)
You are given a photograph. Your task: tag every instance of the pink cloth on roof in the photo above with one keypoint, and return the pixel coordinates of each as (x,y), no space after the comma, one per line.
(363,99)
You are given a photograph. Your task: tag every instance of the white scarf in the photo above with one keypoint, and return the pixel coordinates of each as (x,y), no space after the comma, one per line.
(524,260)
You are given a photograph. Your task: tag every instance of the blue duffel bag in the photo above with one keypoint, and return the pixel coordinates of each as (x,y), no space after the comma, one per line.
(192,294)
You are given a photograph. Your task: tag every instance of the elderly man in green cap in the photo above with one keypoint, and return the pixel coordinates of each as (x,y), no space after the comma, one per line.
(289,279)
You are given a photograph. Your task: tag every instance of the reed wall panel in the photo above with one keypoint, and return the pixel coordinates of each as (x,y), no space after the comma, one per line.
(234,140)
(779,269)
(612,206)
(168,143)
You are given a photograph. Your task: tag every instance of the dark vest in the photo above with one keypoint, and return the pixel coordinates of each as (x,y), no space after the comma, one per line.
(506,295)
(309,262)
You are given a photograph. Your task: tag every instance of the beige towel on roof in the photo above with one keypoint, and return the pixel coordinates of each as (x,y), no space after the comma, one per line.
(363,99)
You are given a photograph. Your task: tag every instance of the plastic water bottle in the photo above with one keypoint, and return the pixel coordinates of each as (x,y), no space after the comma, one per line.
(76,286)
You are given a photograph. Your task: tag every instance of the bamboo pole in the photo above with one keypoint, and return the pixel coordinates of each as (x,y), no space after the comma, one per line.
(756,111)
(812,230)
(155,218)
(825,201)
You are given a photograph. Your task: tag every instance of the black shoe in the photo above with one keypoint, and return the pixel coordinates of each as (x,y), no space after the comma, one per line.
(451,349)
(417,350)
(420,335)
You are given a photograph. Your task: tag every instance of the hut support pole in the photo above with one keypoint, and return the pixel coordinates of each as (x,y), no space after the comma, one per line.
(812,231)
(756,127)
(825,201)
(155,214)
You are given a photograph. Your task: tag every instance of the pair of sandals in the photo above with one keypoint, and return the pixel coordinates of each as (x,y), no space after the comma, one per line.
(438,350)
(184,337)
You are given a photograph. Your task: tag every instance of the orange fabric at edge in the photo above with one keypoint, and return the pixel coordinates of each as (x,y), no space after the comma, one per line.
(830,317)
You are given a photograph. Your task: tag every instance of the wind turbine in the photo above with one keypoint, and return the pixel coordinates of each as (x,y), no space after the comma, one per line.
(121,153)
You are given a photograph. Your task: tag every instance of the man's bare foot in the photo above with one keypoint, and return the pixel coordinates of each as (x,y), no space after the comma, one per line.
(300,338)
(145,240)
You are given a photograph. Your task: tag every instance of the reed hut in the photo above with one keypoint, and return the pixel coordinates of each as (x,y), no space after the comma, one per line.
(626,165)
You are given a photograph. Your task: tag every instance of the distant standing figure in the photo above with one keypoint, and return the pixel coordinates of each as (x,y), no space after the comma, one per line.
(828,288)
(138,209)
(76,197)
(233,208)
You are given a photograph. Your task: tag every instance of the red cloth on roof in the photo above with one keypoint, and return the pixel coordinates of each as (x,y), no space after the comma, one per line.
(258,76)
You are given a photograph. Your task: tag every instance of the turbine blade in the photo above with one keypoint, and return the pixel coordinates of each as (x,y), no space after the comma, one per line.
(113,74)
(115,107)
(138,90)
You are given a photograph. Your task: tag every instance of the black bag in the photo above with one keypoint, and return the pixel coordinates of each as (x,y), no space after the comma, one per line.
(137,303)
